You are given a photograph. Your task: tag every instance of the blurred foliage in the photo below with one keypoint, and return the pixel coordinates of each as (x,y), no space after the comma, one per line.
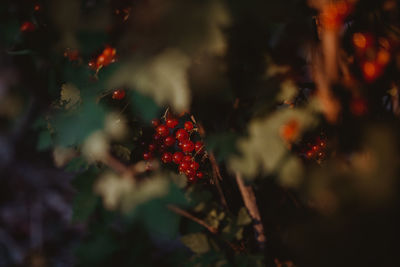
(75,190)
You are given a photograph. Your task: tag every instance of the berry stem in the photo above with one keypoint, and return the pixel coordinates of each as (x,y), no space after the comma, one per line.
(186,214)
(249,199)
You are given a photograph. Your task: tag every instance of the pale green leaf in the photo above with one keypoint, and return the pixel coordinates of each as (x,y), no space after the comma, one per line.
(197,242)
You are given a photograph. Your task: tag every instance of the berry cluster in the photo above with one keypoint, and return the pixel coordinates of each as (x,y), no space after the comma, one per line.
(333,14)
(104,59)
(373,54)
(177,145)
(316,150)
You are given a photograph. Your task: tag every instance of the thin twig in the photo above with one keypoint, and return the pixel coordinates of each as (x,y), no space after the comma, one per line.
(215,169)
(250,202)
(127,171)
(186,214)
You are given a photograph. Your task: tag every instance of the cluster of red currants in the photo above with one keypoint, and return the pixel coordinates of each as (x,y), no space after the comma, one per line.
(373,54)
(316,151)
(333,14)
(104,59)
(176,145)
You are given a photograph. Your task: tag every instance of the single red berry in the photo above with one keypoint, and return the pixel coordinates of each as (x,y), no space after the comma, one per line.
(152,147)
(194,165)
(147,155)
(169,140)
(180,144)
(101,60)
(187,146)
(36,7)
(118,94)
(177,157)
(162,130)
(314,148)
(188,125)
(166,157)
(187,158)
(92,64)
(181,135)
(183,166)
(27,26)
(71,54)
(155,122)
(192,179)
(199,175)
(198,146)
(108,52)
(171,123)
(190,172)
(157,137)
(162,148)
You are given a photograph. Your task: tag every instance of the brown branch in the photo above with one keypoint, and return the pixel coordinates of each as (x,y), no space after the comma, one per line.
(215,169)
(127,171)
(216,179)
(250,202)
(191,217)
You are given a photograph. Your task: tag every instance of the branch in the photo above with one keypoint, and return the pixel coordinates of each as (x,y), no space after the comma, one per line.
(250,202)
(215,168)
(128,171)
(191,217)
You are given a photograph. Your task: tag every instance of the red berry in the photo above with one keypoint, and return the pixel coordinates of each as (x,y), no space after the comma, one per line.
(177,157)
(198,146)
(166,157)
(27,26)
(92,65)
(183,166)
(162,130)
(181,135)
(108,51)
(118,94)
(190,172)
(187,158)
(194,165)
(157,137)
(152,147)
(155,122)
(314,148)
(169,140)
(192,179)
(36,7)
(188,125)
(101,60)
(171,123)
(162,148)
(147,155)
(187,146)
(199,175)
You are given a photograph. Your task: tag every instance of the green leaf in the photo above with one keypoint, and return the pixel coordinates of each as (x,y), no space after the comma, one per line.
(243,217)
(77,164)
(122,152)
(197,242)
(144,106)
(72,128)
(44,140)
(223,145)
(84,201)
(20,52)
